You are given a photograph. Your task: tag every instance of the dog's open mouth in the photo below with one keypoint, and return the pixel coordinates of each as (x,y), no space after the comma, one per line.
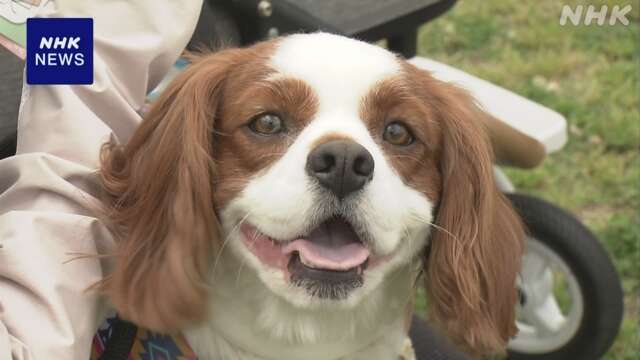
(328,263)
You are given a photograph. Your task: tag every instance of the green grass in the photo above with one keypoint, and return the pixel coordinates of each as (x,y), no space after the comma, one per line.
(589,74)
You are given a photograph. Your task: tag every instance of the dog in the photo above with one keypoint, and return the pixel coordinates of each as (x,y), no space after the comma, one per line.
(282,201)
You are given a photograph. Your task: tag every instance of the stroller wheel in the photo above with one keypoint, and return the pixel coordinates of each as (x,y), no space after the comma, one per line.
(571,300)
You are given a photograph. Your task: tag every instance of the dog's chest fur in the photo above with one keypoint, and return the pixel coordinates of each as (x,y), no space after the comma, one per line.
(247,321)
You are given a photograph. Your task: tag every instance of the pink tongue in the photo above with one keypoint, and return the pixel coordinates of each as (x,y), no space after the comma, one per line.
(334,245)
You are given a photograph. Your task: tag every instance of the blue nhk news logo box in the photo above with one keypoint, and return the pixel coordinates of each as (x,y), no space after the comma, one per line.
(59,51)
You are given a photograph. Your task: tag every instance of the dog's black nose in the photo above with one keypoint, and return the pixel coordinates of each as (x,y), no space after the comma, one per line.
(342,166)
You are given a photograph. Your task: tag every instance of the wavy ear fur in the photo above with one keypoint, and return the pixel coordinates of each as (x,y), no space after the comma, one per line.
(159,202)
(471,269)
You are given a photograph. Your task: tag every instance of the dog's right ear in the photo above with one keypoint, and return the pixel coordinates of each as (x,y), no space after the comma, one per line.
(472,263)
(159,202)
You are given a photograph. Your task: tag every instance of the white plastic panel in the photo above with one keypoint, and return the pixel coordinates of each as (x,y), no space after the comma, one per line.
(535,120)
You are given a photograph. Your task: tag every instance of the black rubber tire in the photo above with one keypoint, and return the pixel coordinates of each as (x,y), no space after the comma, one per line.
(593,269)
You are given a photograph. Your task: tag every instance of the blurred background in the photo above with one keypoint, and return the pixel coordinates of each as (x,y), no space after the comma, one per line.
(590,75)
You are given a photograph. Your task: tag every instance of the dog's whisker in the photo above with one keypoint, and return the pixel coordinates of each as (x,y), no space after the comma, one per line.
(244,260)
(81,256)
(226,240)
(405,232)
(437,227)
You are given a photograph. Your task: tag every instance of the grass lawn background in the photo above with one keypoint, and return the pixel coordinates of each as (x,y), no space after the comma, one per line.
(589,74)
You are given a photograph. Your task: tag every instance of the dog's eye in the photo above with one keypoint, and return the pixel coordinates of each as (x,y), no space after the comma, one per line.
(266,124)
(397,133)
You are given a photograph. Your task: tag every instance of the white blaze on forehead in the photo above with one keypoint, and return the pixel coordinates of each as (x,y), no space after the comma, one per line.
(340,70)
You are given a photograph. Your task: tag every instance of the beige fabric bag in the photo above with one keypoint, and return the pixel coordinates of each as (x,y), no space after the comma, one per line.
(45,312)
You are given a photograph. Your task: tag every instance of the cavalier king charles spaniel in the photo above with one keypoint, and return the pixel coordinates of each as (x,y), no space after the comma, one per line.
(282,201)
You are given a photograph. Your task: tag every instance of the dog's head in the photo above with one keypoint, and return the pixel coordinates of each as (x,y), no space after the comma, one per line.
(324,163)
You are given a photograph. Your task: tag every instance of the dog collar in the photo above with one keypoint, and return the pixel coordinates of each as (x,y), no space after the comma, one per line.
(147,345)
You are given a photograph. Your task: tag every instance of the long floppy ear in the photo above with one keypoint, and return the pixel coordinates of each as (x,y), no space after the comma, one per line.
(471,267)
(159,202)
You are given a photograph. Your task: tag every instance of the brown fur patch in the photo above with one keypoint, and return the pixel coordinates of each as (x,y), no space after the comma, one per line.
(471,266)
(476,243)
(394,100)
(189,156)
(240,153)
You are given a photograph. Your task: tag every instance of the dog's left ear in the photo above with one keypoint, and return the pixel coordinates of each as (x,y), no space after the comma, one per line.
(472,263)
(159,202)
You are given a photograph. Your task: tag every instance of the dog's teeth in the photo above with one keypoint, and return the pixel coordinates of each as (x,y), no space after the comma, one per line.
(305,262)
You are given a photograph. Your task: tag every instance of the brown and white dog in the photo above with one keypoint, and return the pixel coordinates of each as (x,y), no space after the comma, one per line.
(280,202)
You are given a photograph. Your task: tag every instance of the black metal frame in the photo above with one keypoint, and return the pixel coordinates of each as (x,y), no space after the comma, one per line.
(289,17)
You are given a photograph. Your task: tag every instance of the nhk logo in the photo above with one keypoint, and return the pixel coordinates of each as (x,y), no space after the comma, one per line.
(59,51)
(56,58)
(618,14)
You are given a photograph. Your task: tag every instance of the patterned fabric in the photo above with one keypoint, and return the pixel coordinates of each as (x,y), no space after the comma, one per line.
(146,346)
